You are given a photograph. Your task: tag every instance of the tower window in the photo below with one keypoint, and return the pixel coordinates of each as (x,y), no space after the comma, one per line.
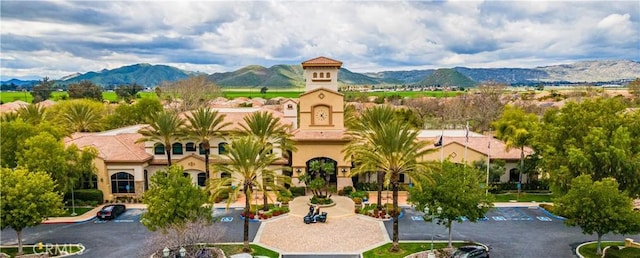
(321,75)
(315,75)
(328,75)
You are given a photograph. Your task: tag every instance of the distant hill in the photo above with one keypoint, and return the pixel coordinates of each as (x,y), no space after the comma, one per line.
(289,76)
(143,74)
(448,77)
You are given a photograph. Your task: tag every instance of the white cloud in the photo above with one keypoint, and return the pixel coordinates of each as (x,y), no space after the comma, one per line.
(214,36)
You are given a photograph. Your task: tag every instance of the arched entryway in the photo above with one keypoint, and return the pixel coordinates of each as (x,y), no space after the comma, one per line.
(331,165)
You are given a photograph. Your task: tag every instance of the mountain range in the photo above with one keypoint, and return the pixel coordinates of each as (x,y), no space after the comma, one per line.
(287,76)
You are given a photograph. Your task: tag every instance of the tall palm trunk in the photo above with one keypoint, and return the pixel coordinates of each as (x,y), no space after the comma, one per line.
(207,148)
(394,186)
(247,209)
(168,151)
(380,182)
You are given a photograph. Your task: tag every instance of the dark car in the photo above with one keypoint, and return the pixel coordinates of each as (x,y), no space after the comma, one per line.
(471,251)
(111,211)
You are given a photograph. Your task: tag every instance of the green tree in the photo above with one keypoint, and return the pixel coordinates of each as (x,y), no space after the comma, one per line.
(66,165)
(317,177)
(27,199)
(457,190)
(271,133)
(42,90)
(597,207)
(203,125)
(14,133)
(517,129)
(165,129)
(128,92)
(393,148)
(634,88)
(248,162)
(33,114)
(83,118)
(595,137)
(139,112)
(85,89)
(264,90)
(369,120)
(496,168)
(172,201)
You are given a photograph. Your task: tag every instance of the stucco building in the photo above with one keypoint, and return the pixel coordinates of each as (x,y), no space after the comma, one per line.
(317,121)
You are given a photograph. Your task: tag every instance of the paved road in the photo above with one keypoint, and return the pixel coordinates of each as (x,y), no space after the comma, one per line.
(123,237)
(509,232)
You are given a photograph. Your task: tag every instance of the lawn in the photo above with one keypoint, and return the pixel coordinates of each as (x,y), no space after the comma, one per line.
(79,211)
(524,197)
(589,250)
(257,250)
(406,249)
(29,249)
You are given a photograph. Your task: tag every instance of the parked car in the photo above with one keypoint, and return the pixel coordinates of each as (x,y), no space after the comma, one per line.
(111,211)
(471,251)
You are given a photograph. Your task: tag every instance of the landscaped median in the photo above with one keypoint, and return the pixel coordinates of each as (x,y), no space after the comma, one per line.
(611,249)
(414,249)
(53,250)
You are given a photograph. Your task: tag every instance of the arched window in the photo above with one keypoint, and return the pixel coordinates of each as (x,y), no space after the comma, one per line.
(185,174)
(514,175)
(190,146)
(328,75)
(222,148)
(122,182)
(270,146)
(158,149)
(315,75)
(176,148)
(321,75)
(202,179)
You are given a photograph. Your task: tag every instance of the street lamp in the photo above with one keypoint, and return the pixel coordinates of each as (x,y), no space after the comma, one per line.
(166,252)
(431,216)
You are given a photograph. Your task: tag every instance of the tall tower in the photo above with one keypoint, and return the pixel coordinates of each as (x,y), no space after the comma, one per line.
(321,72)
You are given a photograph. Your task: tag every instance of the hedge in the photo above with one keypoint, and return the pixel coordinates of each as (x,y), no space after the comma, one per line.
(86,195)
(297,191)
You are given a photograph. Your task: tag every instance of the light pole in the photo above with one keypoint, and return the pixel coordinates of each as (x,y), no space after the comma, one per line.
(431,216)
(166,252)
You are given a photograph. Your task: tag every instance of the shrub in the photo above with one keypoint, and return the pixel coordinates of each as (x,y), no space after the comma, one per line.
(223,195)
(364,186)
(297,191)
(357,200)
(359,194)
(347,190)
(86,195)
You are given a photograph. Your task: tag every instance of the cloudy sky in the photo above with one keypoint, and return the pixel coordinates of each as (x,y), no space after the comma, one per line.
(57,38)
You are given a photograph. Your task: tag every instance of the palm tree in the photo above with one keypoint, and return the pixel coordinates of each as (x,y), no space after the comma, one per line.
(32,113)
(203,125)
(82,118)
(391,147)
(268,130)
(248,162)
(516,128)
(166,129)
(371,119)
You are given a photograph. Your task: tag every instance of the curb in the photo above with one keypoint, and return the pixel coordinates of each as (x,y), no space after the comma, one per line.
(552,215)
(69,222)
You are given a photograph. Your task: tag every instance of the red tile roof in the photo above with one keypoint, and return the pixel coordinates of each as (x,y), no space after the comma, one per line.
(480,144)
(113,147)
(321,61)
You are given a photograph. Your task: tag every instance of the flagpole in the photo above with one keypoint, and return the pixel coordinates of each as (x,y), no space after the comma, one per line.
(486,190)
(466,141)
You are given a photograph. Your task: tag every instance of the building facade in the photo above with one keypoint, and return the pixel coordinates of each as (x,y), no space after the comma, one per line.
(317,122)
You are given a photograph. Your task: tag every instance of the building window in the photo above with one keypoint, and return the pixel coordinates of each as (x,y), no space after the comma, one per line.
(514,175)
(222,148)
(270,148)
(190,146)
(185,174)
(315,75)
(176,148)
(289,106)
(158,149)
(122,182)
(328,75)
(90,181)
(225,175)
(202,179)
(321,75)
(401,179)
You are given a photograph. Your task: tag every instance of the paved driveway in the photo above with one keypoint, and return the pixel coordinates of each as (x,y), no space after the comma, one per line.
(509,232)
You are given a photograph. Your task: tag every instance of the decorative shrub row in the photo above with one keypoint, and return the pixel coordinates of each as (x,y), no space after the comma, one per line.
(297,191)
(85,195)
